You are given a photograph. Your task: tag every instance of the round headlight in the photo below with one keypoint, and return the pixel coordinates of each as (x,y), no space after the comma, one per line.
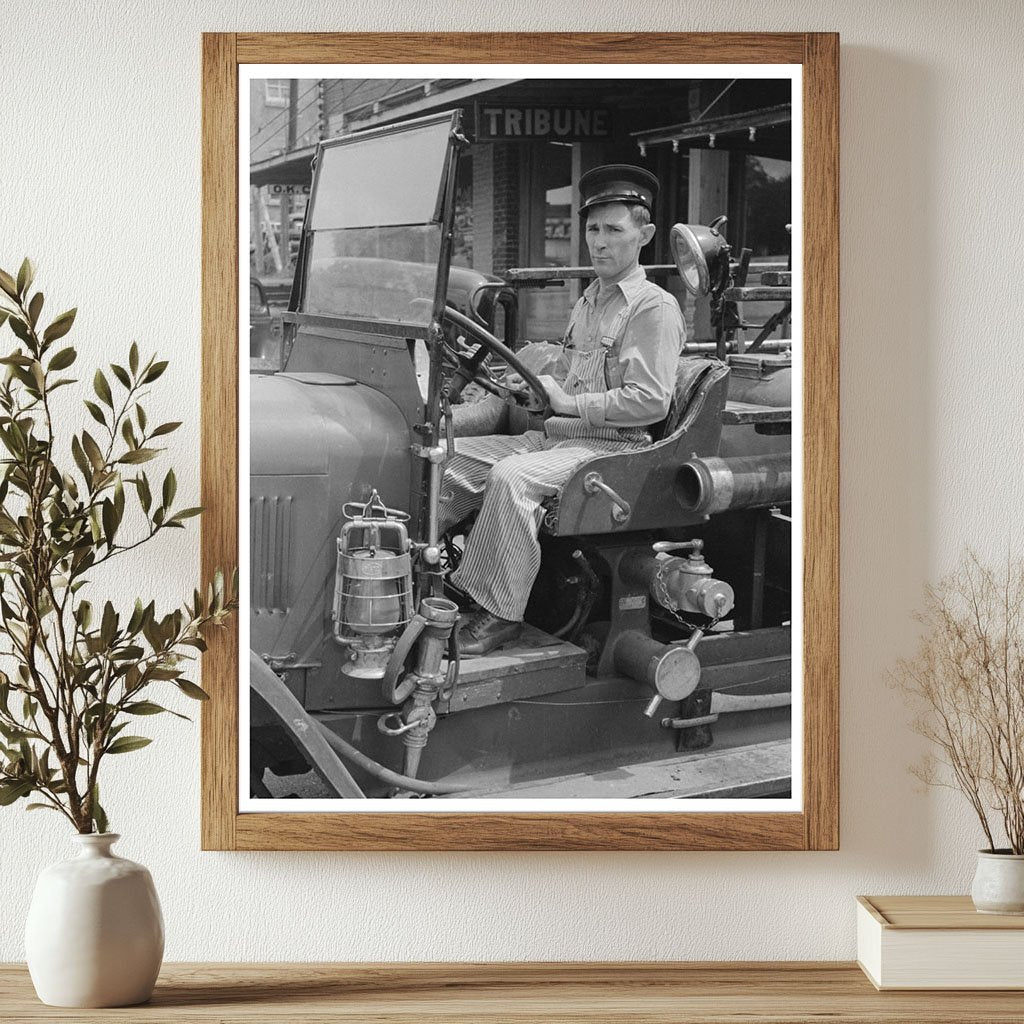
(688,257)
(701,255)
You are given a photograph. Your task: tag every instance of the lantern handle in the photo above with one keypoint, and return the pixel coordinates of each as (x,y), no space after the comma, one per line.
(373,509)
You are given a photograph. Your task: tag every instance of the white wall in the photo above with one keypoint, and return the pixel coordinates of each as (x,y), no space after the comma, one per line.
(100,183)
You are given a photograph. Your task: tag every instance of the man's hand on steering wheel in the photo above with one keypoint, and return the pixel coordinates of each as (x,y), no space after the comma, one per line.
(471,365)
(560,402)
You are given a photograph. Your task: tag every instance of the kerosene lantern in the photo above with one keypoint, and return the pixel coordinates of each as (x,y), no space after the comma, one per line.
(373,585)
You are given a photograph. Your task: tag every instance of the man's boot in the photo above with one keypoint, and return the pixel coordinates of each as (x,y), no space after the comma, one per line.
(484,632)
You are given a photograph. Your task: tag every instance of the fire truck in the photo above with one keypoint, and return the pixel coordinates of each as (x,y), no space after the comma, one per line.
(656,660)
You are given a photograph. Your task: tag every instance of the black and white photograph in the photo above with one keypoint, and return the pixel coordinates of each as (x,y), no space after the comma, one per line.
(523,374)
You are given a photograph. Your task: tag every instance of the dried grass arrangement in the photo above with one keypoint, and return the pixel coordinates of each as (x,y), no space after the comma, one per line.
(967,682)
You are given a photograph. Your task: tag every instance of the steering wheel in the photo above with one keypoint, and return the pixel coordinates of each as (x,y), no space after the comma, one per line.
(471,366)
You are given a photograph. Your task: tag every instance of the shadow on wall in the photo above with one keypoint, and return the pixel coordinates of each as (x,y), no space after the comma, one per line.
(887,327)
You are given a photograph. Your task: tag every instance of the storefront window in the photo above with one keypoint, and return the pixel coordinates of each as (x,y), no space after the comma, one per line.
(548,238)
(766,201)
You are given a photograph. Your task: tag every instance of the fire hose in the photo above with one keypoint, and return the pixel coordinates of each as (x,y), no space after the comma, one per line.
(310,736)
(393,778)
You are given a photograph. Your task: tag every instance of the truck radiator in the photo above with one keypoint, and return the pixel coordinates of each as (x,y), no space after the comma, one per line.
(270,542)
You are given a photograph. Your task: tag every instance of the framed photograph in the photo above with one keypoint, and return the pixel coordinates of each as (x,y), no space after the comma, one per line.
(530,463)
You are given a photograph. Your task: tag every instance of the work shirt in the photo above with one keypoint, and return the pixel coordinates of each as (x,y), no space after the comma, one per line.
(649,339)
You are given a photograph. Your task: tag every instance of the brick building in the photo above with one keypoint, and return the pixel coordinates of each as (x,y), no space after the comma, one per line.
(718,146)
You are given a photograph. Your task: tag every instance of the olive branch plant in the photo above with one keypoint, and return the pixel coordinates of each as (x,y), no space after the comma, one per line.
(966,680)
(79,673)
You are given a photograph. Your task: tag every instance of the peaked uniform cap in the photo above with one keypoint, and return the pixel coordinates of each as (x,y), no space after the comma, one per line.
(618,183)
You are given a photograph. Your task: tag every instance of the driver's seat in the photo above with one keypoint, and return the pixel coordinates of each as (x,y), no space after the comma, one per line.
(646,479)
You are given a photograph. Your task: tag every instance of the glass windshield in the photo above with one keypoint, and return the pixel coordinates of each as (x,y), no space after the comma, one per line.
(374,273)
(375,225)
(391,179)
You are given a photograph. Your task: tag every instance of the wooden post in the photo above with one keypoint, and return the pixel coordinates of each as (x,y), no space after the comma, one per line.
(255,230)
(708,199)
(268,227)
(585,155)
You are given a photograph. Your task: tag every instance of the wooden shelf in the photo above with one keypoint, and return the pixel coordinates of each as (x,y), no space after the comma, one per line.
(637,993)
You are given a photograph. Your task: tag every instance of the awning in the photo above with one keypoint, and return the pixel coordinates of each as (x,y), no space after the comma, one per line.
(295,168)
(744,124)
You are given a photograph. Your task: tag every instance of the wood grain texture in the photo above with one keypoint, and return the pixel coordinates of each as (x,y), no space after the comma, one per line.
(817,826)
(613,993)
(219,429)
(821,441)
(521,47)
(520,831)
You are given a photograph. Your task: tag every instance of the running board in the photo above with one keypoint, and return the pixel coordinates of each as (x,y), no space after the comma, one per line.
(754,771)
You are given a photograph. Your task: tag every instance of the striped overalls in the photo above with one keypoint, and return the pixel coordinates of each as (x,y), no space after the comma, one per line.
(508,477)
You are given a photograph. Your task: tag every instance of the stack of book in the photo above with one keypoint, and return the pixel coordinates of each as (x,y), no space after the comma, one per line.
(938,942)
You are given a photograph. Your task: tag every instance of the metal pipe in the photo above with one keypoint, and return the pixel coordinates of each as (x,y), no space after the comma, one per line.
(672,671)
(692,348)
(710,485)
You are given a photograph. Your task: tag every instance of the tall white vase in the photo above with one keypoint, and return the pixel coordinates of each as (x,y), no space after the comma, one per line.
(95,933)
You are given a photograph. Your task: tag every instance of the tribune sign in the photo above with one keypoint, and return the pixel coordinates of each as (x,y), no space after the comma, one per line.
(533,124)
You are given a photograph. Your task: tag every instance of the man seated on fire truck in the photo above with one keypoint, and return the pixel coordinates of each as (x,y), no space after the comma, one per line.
(624,339)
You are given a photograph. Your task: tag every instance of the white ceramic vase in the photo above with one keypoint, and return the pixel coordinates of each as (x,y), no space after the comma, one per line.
(95,933)
(999,883)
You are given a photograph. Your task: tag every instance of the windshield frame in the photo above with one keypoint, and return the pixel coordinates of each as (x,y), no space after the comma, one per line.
(443,215)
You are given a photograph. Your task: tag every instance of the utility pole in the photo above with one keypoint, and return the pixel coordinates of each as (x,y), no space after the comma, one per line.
(285,207)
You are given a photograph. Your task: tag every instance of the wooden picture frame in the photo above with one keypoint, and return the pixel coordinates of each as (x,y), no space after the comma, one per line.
(816,826)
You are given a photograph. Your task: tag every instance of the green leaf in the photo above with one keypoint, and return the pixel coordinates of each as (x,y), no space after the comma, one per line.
(109,517)
(20,328)
(185,513)
(16,359)
(138,455)
(128,433)
(63,359)
(108,626)
(11,791)
(145,497)
(80,459)
(26,274)
(92,449)
(154,372)
(135,622)
(133,358)
(170,488)
(166,428)
(34,308)
(130,653)
(102,388)
(126,744)
(191,690)
(41,807)
(144,707)
(95,412)
(140,415)
(99,816)
(7,283)
(121,374)
(60,326)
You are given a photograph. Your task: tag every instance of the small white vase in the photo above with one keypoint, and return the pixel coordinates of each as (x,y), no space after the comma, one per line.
(999,882)
(95,934)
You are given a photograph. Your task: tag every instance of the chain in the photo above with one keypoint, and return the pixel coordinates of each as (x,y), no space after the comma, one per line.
(665,600)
